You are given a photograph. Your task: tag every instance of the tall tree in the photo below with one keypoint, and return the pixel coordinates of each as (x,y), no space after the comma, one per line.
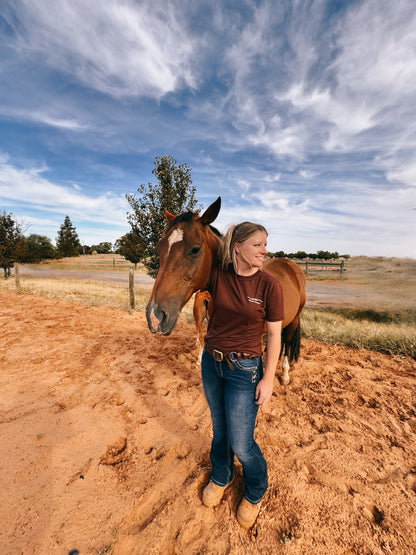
(131,247)
(173,192)
(67,242)
(12,242)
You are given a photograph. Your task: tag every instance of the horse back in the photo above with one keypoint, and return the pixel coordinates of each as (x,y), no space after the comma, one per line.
(293,283)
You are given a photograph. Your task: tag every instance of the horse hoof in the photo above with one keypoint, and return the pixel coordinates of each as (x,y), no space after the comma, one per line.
(284,380)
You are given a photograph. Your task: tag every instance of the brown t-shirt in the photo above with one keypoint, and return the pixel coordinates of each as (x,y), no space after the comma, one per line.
(241,305)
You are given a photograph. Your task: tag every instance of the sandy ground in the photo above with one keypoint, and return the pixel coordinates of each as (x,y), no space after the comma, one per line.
(105,433)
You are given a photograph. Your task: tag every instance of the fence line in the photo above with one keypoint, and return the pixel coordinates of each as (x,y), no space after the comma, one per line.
(325,266)
(17,276)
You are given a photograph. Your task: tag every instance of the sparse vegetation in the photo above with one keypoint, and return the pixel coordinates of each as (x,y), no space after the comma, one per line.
(394,338)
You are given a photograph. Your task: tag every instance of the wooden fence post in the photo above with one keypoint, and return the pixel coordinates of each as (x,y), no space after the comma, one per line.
(17,276)
(131,290)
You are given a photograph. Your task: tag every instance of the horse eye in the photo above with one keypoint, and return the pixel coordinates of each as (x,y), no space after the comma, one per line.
(195,251)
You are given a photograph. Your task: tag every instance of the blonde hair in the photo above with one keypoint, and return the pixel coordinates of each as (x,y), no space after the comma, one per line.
(237,234)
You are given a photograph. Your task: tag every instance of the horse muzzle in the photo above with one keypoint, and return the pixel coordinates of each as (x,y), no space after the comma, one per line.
(159,319)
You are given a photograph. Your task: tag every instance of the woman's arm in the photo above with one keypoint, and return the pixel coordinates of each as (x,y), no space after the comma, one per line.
(265,386)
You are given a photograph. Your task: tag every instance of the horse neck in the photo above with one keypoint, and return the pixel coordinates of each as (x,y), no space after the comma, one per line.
(213,257)
(215,244)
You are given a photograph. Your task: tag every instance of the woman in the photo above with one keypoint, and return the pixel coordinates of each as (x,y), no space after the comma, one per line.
(244,298)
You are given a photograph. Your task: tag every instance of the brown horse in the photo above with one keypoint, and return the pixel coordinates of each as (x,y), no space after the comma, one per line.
(187,250)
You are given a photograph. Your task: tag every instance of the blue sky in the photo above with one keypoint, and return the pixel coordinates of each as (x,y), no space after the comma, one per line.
(300,114)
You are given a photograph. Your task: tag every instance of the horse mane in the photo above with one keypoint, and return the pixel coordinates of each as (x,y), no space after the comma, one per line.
(217,233)
(187,217)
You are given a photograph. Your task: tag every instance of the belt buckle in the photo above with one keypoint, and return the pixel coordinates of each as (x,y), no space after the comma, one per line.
(218,355)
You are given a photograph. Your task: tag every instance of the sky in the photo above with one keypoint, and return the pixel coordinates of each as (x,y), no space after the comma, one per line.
(300,114)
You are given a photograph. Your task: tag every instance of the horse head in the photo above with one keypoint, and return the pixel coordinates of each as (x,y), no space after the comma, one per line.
(187,250)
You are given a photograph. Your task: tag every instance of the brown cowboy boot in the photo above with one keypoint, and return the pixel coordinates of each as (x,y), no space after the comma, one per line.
(247,513)
(212,494)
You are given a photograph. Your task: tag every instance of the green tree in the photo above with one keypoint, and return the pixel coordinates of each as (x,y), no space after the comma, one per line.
(102,248)
(301,255)
(67,242)
(131,246)
(173,192)
(12,242)
(39,247)
(323,255)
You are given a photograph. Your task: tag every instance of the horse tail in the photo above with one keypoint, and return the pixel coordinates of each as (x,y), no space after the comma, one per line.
(206,304)
(295,345)
(291,341)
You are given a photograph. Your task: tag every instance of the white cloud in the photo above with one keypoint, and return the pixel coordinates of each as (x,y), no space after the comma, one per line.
(45,119)
(272,178)
(283,141)
(372,74)
(244,185)
(306,174)
(333,113)
(51,119)
(377,43)
(27,187)
(339,86)
(405,174)
(120,49)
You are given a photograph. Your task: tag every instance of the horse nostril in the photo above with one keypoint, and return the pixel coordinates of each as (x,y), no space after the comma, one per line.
(152,319)
(159,319)
(163,317)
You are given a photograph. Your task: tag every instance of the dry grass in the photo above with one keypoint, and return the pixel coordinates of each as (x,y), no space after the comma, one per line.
(393,337)
(89,293)
(107,262)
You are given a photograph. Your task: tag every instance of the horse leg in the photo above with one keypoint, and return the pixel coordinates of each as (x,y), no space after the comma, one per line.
(201,311)
(284,377)
(200,341)
(291,347)
(199,316)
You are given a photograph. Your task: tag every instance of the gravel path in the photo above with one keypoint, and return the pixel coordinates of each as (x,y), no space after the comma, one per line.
(93,275)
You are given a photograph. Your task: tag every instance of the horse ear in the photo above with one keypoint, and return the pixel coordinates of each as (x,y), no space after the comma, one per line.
(211,212)
(170,217)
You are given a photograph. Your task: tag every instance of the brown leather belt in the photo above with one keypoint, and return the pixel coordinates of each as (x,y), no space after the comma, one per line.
(229,357)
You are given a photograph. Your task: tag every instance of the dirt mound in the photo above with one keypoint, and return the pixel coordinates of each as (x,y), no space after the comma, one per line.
(105,436)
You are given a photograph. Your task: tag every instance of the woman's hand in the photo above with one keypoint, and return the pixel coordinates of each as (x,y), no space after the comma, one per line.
(265,386)
(264,391)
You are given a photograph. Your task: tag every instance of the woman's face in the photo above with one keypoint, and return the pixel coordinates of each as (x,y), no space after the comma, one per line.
(252,251)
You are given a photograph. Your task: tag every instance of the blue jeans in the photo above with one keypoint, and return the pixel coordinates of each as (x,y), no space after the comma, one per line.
(231,399)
